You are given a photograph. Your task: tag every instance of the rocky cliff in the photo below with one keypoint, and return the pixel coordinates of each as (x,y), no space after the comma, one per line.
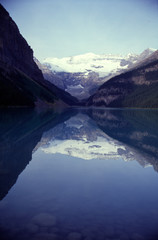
(21,81)
(137,87)
(14,50)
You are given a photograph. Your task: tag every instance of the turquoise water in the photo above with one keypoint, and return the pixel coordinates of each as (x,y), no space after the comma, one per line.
(80,174)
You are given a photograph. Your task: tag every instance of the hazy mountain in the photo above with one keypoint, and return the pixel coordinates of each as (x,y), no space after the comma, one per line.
(137,87)
(82,75)
(21,81)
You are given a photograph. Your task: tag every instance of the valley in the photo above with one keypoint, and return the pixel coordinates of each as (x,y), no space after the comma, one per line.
(84,80)
(82,75)
(78,129)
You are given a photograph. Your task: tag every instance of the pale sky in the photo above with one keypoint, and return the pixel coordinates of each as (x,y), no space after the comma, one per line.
(60,28)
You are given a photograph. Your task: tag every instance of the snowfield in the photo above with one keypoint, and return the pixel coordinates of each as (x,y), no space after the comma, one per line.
(102,64)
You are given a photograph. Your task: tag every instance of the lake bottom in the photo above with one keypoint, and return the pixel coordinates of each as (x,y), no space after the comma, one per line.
(61,197)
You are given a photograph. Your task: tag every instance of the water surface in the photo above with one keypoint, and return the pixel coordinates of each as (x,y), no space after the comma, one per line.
(81,174)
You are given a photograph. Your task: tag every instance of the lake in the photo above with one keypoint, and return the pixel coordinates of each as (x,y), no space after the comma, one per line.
(79,174)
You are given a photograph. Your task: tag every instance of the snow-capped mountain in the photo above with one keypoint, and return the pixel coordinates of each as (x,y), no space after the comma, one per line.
(85,63)
(81,75)
(137,87)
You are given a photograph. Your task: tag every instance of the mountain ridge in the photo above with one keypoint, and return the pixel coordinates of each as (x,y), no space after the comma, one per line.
(137,87)
(83,74)
(68,63)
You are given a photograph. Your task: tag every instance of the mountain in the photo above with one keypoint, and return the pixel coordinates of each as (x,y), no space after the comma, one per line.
(137,87)
(82,75)
(21,130)
(21,81)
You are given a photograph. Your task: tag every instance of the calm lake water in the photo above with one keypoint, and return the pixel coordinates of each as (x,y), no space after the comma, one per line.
(79,175)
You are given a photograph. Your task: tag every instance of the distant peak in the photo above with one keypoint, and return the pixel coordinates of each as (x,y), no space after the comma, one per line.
(152,49)
(149,50)
(86,55)
(90,54)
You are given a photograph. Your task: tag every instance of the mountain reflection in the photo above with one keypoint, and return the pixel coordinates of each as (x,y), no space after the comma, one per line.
(104,134)
(136,129)
(21,130)
(60,195)
(87,134)
(80,137)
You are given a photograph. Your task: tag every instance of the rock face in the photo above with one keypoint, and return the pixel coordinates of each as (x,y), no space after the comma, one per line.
(14,50)
(21,81)
(137,87)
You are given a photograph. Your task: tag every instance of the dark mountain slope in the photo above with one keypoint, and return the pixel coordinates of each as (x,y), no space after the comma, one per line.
(21,81)
(135,88)
(17,89)
(14,50)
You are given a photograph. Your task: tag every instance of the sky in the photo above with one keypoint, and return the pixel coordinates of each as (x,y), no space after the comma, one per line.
(62,28)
